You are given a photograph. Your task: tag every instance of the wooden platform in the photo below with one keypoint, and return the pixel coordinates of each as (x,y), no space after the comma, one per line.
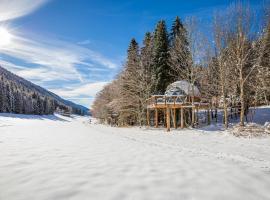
(170,104)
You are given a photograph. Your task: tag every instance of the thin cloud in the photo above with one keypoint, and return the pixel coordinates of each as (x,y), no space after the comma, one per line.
(10,66)
(83,94)
(86,90)
(87,102)
(84,42)
(38,75)
(54,56)
(11,9)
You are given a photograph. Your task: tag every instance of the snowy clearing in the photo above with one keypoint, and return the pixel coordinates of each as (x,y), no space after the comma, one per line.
(66,158)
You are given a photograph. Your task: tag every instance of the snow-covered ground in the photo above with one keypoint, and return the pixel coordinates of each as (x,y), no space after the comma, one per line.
(57,158)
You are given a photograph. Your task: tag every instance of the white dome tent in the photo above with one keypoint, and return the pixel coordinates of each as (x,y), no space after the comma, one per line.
(180,88)
(181,101)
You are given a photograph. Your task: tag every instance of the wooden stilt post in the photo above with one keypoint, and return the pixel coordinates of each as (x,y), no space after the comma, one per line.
(148,117)
(208,116)
(164,116)
(179,119)
(182,117)
(193,116)
(168,119)
(174,118)
(156,117)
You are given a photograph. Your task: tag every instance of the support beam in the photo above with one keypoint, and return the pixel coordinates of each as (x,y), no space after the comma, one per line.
(193,116)
(179,118)
(148,117)
(164,117)
(197,115)
(156,117)
(168,119)
(182,117)
(174,118)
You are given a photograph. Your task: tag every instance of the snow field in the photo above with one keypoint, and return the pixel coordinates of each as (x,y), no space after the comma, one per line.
(67,158)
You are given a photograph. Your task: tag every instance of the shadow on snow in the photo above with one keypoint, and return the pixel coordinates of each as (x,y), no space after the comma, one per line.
(33,117)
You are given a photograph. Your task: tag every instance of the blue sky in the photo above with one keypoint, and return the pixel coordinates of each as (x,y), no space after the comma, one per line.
(75,47)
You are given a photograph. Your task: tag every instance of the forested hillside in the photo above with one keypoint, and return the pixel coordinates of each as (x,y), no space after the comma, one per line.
(228,61)
(20,96)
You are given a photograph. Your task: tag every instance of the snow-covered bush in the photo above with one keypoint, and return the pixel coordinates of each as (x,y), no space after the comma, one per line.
(250,130)
(267,127)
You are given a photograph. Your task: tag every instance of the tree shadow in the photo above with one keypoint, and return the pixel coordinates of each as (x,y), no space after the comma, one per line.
(33,117)
(262,115)
(215,127)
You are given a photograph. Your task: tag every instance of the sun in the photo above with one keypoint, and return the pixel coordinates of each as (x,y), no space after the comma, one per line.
(5,37)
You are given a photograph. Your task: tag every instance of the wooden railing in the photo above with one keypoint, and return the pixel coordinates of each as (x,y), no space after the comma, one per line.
(166,99)
(174,101)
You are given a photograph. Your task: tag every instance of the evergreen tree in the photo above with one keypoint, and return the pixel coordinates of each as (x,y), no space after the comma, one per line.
(265,61)
(145,77)
(17,103)
(5,104)
(129,86)
(1,96)
(161,67)
(146,58)
(180,55)
(39,106)
(9,99)
(46,106)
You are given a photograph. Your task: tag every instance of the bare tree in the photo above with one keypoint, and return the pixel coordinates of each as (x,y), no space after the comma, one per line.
(105,103)
(241,49)
(197,42)
(263,71)
(223,69)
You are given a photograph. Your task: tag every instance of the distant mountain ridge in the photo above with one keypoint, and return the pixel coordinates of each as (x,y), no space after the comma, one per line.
(18,95)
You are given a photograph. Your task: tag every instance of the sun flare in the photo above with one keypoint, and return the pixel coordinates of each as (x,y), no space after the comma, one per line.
(5,37)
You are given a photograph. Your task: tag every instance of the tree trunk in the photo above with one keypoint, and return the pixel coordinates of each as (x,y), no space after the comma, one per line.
(168,119)
(224,106)
(265,98)
(242,100)
(225,114)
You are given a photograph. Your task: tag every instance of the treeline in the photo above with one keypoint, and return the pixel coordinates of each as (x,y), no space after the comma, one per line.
(17,99)
(22,97)
(233,62)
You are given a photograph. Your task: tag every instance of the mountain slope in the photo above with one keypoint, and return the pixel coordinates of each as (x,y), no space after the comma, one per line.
(18,95)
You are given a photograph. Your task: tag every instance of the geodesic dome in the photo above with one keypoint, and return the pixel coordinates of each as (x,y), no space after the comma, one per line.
(182,88)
